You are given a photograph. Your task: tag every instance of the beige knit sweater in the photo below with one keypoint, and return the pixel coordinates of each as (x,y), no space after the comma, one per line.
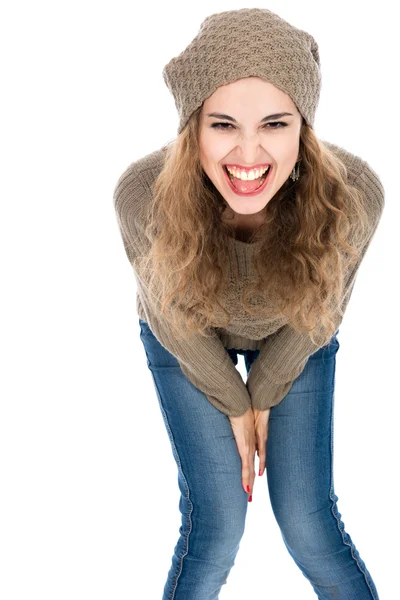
(205,362)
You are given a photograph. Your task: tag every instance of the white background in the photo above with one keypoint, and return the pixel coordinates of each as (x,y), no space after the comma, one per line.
(89,494)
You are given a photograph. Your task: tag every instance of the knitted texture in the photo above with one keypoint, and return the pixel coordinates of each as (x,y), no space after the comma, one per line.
(234,44)
(283,351)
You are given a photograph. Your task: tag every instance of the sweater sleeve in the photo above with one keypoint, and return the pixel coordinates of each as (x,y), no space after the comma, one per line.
(285,353)
(204,361)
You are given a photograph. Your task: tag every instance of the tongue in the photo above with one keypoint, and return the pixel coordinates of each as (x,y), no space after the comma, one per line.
(246,186)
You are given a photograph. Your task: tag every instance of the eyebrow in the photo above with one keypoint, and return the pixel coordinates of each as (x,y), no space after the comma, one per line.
(269,118)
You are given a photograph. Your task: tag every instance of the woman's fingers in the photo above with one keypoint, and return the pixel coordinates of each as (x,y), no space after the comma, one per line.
(243,431)
(251,433)
(262,455)
(248,473)
(261,420)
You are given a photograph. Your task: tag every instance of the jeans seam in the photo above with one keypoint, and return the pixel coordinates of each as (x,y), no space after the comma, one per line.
(334,505)
(188,515)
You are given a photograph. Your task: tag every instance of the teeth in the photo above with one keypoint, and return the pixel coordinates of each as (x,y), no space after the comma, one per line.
(247,175)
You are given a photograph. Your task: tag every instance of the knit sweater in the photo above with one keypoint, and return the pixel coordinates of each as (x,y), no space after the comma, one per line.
(205,362)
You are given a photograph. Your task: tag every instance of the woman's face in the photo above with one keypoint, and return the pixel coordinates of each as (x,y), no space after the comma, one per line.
(249,137)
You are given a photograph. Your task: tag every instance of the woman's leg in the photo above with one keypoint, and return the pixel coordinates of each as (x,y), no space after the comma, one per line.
(300,482)
(213,503)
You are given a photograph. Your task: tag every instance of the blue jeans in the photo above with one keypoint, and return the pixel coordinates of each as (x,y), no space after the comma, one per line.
(299,473)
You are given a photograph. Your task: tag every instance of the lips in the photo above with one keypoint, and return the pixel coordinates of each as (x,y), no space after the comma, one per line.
(248,188)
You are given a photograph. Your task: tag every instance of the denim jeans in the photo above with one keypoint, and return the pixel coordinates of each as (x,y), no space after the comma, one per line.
(299,473)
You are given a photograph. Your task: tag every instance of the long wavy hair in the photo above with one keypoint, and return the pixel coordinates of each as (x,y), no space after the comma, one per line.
(300,266)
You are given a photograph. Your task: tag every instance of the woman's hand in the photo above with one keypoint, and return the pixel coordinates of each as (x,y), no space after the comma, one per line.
(243,430)
(261,420)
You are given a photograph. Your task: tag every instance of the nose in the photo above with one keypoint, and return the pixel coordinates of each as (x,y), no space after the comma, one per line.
(249,149)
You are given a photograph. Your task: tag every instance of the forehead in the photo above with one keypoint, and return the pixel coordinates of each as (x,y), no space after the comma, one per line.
(249,93)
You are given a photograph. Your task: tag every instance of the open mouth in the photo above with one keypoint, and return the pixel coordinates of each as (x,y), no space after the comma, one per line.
(247,187)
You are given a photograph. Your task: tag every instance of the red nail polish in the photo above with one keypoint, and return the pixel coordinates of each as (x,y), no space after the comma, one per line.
(260,472)
(250,498)
(248,488)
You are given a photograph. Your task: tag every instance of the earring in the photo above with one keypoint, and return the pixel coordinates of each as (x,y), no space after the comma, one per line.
(295,174)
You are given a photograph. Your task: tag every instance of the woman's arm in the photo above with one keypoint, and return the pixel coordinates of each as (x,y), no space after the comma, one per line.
(285,353)
(204,361)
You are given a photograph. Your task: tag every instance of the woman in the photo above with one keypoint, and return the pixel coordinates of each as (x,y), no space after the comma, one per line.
(245,235)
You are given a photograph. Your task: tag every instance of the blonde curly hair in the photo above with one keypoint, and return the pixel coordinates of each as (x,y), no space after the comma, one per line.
(300,266)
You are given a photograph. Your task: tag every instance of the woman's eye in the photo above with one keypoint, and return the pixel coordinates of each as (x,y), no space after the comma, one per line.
(266,126)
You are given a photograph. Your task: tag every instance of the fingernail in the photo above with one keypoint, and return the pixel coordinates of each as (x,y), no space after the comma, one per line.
(248,488)
(250,498)
(260,472)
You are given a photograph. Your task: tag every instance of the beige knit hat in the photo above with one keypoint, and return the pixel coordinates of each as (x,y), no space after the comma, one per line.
(239,43)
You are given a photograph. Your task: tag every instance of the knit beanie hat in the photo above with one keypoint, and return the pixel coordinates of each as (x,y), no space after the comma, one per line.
(240,43)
